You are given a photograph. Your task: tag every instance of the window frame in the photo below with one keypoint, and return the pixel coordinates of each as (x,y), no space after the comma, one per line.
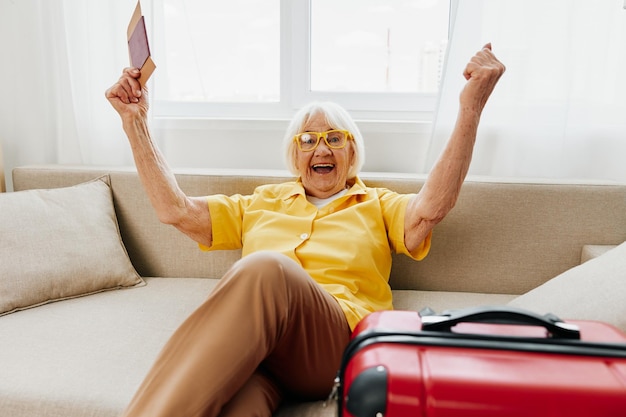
(295,41)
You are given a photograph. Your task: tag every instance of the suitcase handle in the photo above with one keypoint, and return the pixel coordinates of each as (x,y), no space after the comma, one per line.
(498,315)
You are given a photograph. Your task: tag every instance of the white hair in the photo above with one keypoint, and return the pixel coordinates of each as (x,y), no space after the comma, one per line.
(338,118)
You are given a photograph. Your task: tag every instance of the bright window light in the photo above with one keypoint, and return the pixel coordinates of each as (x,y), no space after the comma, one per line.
(378,45)
(265,58)
(221,51)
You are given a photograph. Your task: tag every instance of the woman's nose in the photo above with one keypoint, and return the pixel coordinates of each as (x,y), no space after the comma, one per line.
(322,148)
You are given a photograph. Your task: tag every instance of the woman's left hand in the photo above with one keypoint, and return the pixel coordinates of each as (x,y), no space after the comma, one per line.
(482,74)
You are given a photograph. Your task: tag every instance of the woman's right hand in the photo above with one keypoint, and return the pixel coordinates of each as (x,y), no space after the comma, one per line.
(127,96)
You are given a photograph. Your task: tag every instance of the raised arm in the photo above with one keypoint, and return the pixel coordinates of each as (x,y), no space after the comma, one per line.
(190,215)
(441,189)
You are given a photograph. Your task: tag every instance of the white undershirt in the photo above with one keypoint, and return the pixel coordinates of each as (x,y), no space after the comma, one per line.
(321,202)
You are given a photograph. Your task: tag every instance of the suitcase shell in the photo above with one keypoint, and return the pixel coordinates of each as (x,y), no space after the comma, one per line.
(483,362)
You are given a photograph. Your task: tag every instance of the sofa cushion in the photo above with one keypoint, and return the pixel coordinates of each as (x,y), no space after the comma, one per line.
(445,300)
(58,244)
(87,356)
(595,290)
(593,251)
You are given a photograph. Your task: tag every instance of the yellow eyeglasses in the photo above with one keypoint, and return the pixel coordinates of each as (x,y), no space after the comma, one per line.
(335,139)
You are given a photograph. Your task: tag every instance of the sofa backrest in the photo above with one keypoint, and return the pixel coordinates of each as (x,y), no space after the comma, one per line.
(502,237)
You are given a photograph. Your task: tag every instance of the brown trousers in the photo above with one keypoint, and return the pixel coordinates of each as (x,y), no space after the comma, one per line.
(265,332)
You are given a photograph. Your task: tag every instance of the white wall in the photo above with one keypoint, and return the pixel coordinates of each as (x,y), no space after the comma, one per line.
(202,143)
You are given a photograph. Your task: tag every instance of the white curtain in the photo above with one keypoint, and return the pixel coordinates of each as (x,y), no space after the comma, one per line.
(58,58)
(559,111)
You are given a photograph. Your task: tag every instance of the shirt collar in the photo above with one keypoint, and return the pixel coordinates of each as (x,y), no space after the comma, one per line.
(296,188)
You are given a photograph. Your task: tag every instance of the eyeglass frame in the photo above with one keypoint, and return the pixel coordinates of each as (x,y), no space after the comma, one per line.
(319,135)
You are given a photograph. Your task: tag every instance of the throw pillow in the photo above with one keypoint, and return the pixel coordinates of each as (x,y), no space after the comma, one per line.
(595,290)
(60,243)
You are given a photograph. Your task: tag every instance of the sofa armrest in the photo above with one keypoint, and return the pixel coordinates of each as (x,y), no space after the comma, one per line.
(593,251)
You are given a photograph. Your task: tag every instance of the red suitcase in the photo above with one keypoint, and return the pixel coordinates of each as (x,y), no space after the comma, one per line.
(483,362)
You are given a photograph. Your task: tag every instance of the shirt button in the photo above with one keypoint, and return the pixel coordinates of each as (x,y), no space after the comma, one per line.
(304,236)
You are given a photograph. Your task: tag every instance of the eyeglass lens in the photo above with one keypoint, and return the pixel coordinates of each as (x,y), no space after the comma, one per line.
(310,140)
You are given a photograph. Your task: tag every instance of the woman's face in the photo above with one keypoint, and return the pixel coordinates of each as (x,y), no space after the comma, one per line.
(324,171)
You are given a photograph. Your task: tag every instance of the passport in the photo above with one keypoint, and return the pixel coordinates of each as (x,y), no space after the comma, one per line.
(138,45)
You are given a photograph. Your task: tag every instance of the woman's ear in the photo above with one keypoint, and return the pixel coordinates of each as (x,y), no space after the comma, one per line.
(352,155)
(296,162)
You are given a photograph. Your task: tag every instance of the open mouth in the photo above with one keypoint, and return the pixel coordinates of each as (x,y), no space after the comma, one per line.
(323,168)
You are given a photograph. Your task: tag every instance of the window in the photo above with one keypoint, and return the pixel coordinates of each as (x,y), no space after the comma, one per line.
(220,51)
(264,58)
(374,46)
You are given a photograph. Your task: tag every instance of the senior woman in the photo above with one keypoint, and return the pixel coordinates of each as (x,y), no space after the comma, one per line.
(316,256)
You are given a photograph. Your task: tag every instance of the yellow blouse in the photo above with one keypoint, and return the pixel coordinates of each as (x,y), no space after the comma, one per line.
(345,246)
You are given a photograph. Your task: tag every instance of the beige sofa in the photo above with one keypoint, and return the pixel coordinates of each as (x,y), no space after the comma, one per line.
(86,356)
(2,181)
